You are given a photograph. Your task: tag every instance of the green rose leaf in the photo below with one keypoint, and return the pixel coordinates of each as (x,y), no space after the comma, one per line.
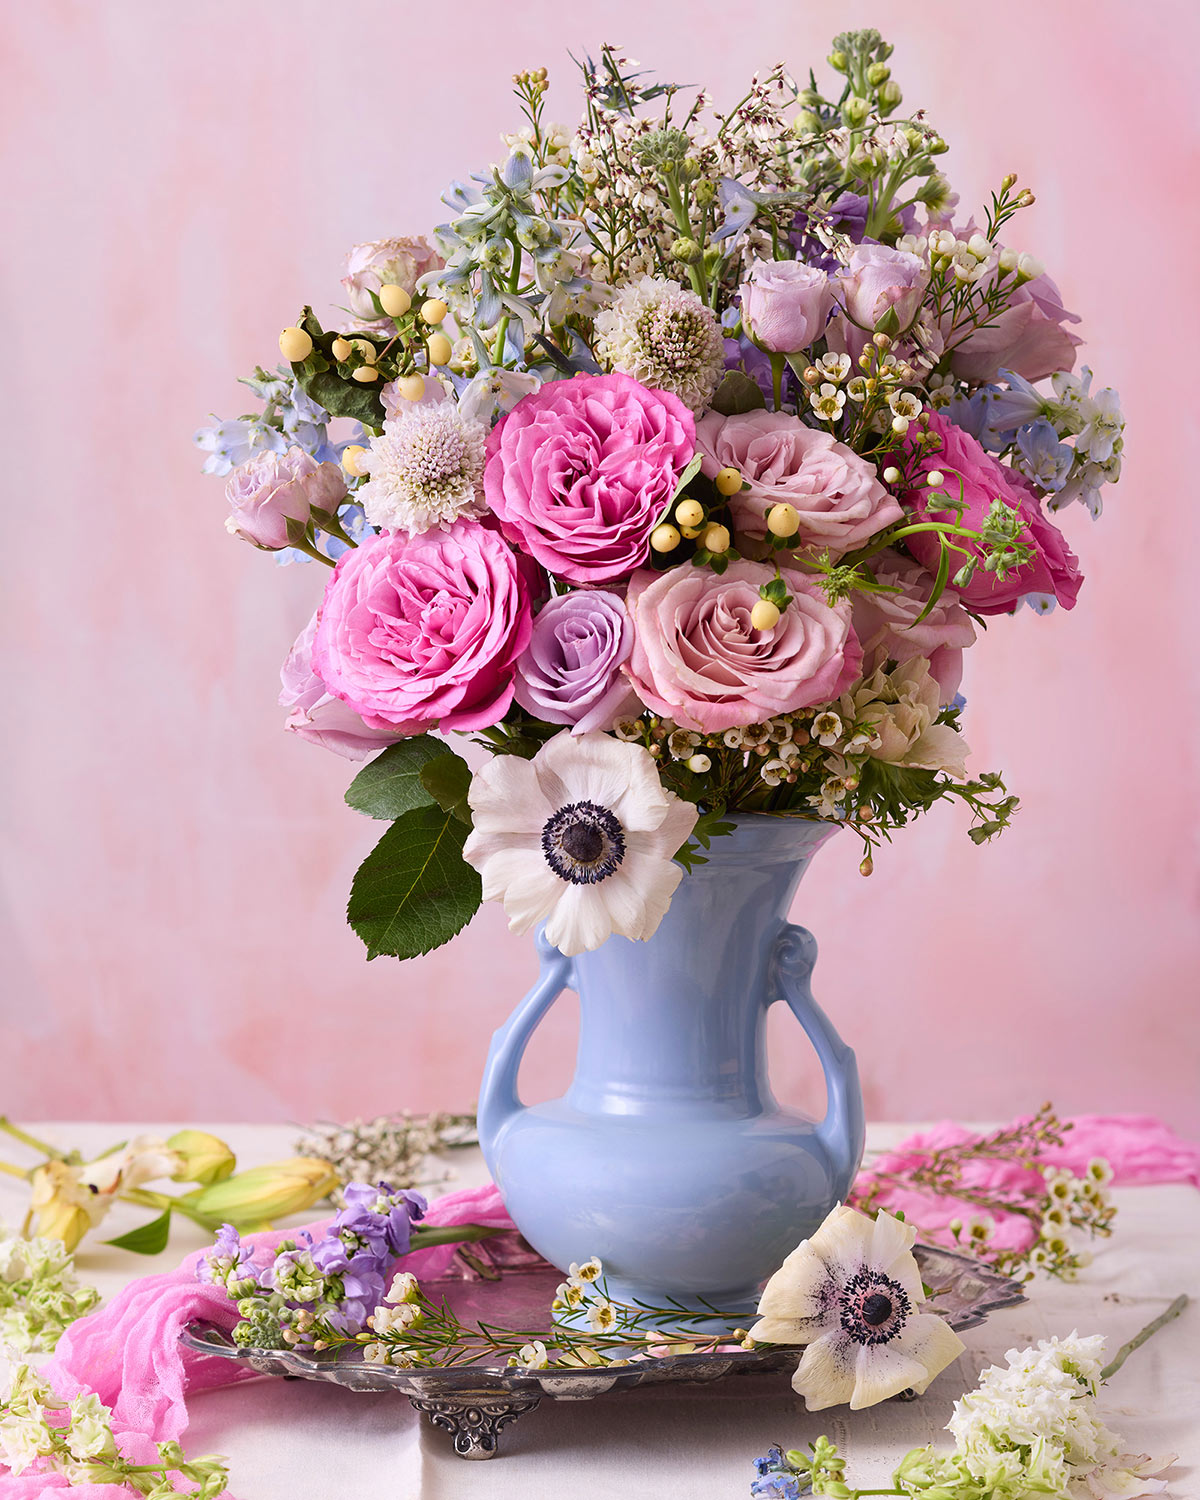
(147,1239)
(319,378)
(736,394)
(414,890)
(391,784)
(448,780)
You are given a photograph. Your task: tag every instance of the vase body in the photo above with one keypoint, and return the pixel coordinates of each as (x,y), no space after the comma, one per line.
(668,1157)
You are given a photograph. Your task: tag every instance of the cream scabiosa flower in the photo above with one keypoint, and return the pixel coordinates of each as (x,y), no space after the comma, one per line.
(664,337)
(852,1293)
(580,837)
(426,470)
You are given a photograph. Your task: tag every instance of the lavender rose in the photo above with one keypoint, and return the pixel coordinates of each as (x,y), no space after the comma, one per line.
(1054,568)
(786,304)
(272,488)
(318,716)
(887,628)
(392,262)
(1027,337)
(837,494)
(698,660)
(570,673)
(876,280)
(420,632)
(579,472)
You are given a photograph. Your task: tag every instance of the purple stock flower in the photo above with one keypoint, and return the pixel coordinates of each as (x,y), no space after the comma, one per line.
(382,1219)
(570,673)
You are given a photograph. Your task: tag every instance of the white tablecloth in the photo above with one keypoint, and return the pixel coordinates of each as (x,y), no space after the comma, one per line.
(286,1440)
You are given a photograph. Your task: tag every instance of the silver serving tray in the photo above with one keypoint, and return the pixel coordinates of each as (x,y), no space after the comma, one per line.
(503,1282)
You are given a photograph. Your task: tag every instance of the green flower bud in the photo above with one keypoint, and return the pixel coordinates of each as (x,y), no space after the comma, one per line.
(889,96)
(855,110)
(704,193)
(838,61)
(878,73)
(811,99)
(258,1196)
(204,1158)
(806,123)
(686,250)
(937,146)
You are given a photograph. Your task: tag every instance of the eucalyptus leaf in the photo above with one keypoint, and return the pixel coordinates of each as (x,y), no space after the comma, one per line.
(147,1239)
(391,784)
(414,890)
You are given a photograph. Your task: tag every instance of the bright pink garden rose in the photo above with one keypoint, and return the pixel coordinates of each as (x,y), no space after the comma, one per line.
(786,304)
(1027,338)
(270,489)
(316,714)
(838,494)
(579,472)
(886,623)
(698,660)
(1054,568)
(876,280)
(424,632)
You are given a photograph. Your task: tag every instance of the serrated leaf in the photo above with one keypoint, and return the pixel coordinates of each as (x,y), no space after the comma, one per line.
(736,394)
(391,785)
(147,1239)
(414,890)
(448,780)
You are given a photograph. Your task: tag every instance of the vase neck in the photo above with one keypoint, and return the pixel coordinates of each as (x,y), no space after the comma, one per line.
(676,1022)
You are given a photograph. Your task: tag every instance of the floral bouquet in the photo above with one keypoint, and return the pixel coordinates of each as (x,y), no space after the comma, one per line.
(679,476)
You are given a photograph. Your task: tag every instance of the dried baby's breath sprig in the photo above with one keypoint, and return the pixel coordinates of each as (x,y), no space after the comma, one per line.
(389,1148)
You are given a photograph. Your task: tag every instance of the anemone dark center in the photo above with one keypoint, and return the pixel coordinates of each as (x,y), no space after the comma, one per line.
(583,842)
(874,1308)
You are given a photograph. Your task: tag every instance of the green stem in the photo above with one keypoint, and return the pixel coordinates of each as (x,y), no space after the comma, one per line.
(777,380)
(12,1171)
(309,550)
(30,1140)
(514,281)
(450,1234)
(162,1201)
(1139,1339)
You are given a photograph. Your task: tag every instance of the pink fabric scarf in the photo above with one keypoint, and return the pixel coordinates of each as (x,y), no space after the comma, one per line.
(129,1352)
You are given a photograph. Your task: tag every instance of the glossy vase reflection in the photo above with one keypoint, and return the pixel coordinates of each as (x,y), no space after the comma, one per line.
(668,1157)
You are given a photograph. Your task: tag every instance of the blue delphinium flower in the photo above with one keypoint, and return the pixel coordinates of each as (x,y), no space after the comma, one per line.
(775,1478)
(1041,456)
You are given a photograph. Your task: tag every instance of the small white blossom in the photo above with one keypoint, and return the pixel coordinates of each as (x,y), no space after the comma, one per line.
(904,404)
(828,402)
(425,470)
(663,336)
(602,1316)
(834,367)
(827,728)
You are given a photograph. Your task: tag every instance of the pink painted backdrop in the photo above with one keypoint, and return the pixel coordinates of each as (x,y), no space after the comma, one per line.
(179,180)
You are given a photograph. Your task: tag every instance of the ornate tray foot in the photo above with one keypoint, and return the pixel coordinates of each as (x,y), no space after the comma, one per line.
(474,1424)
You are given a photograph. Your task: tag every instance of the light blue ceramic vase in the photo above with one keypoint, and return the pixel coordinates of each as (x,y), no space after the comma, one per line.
(668,1157)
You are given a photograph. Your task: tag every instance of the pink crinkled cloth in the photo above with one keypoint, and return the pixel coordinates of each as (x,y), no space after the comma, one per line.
(1138,1148)
(129,1352)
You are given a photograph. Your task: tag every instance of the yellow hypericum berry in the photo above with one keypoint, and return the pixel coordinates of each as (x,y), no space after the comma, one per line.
(367,349)
(350,460)
(365,374)
(728,482)
(717,538)
(664,538)
(783,520)
(439,348)
(341,349)
(411,387)
(764,615)
(689,512)
(434,310)
(394,300)
(295,345)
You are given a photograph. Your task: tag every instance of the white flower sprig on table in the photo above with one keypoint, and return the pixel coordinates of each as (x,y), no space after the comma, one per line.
(852,1294)
(39,1293)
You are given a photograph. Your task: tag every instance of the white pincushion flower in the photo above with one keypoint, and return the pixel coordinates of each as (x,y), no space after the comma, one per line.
(665,337)
(852,1293)
(426,470)
(581,837)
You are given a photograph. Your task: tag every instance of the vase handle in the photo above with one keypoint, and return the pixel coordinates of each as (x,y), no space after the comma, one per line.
(498,1097)
(842,1132)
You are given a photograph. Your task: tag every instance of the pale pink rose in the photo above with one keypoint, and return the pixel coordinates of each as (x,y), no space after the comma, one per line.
(425,631)
(316,714)
(270,489)
(392,262)
(876,280)
(977,479)
(886,623)
(836,492)
(1027,338)
(698,660)
(786,304)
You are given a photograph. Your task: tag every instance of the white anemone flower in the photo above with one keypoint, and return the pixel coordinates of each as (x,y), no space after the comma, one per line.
(853,1294)
(581,837)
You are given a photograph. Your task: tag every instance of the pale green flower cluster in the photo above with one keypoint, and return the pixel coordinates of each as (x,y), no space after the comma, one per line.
(75,1438)
(39,1293)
